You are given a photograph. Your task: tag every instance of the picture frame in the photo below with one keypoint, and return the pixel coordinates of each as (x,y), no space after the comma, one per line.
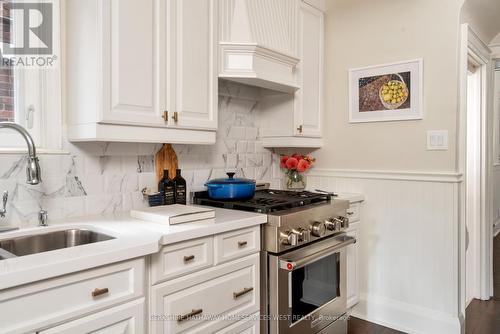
(388,92)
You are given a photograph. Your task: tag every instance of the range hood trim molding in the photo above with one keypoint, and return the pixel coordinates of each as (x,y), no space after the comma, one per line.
(256,65)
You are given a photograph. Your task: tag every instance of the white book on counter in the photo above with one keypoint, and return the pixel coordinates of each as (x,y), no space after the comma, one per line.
(174,214)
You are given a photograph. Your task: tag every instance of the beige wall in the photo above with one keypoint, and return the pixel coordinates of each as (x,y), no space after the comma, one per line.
(362,33)
(496,41)
(483,16)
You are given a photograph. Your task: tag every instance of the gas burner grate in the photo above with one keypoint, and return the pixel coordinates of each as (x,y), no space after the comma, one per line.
(266,201)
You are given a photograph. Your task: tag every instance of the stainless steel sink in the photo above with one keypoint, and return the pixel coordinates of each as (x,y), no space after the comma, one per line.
(45,242)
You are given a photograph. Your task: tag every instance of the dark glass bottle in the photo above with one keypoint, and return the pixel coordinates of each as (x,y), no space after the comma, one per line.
(161,186)
(180,188)
(167,189)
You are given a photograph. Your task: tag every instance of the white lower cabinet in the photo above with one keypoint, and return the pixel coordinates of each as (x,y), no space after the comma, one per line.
(222,297)
(352,270)
(207,301)
(123,319)
(187,292)
(181,259)
(40,305)
(248,326)
(353,255)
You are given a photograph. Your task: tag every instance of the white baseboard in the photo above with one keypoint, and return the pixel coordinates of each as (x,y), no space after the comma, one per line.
(405,317)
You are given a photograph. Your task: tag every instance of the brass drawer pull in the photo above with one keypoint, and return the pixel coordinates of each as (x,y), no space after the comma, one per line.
(241,293)
(189,315)
(176,116)
(99,292)
(188,258)
(242,243)
(350,213)
(165,116)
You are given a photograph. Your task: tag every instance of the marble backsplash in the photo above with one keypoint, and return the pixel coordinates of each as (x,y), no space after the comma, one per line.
(99,178)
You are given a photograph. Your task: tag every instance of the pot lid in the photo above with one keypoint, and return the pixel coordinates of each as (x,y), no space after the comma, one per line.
(231,180)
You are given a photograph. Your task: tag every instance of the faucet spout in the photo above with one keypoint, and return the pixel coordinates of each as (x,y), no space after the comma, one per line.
(33,172)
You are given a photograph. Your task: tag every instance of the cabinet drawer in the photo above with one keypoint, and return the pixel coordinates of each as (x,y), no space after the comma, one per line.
(236,244)
(182,258)
(51,301)
(127,318)
(249,326)
(353,212)
(215,298)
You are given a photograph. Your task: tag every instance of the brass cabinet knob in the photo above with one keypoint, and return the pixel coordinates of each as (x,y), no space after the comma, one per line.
(165,116)
(99,292)
(243,292)
(300,129)
(175,117)
(189,315)
(188,258)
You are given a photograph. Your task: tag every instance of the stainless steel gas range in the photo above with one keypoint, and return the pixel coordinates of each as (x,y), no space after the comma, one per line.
(303,260)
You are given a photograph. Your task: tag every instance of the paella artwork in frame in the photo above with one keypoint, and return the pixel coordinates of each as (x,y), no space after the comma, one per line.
(390,92)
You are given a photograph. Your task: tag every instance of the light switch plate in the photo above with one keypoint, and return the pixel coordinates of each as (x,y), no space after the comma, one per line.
(437,140)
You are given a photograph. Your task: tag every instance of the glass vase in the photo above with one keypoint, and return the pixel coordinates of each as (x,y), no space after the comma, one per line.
(294,181)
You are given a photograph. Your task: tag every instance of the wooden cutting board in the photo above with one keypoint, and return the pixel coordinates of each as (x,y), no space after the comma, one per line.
(166,158)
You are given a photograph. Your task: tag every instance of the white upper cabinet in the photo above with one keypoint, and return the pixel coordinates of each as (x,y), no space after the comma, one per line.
(130,64)
(309,98)
(142,72)
(296,120)
(193,93)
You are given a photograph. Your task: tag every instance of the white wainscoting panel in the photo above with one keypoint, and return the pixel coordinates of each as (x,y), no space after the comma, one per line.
(408,246)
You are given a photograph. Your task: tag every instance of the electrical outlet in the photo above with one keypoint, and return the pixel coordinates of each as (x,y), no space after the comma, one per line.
(437,140)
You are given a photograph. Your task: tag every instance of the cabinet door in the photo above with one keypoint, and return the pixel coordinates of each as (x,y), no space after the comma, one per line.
(309,98)
(352,268)
(123,319)
(186,305)
(194,52)
(130,62)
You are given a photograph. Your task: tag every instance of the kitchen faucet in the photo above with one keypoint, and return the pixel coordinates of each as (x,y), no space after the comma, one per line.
(33,173)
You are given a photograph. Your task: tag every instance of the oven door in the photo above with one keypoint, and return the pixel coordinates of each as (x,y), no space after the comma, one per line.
(310,287)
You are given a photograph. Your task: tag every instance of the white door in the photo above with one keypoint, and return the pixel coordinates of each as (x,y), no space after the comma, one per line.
(352,268)
(194,24)
(309,98)
(123,319)
(130,62)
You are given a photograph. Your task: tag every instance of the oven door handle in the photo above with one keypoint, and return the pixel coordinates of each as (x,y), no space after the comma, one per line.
(292,265)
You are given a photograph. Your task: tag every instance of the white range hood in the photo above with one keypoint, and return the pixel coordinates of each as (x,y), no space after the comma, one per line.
(258,43)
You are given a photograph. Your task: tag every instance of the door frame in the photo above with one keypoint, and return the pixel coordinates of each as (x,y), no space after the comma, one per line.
(471,47)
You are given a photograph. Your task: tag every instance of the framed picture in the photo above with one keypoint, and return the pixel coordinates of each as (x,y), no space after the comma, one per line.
(391,92)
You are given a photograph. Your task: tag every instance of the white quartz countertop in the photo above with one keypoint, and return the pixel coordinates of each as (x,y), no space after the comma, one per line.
(133,238)
(351,197)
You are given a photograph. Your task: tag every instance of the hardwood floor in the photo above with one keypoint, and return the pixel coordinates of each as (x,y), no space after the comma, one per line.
(358,326)
(496,267)
(483,317)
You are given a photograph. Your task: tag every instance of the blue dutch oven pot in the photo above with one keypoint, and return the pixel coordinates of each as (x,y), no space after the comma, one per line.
(231,188)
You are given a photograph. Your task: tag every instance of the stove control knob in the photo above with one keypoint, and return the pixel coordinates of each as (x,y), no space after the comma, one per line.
(344,221)
(340,223)
(318,229)
(288,238)
(300,233)
(331,224)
